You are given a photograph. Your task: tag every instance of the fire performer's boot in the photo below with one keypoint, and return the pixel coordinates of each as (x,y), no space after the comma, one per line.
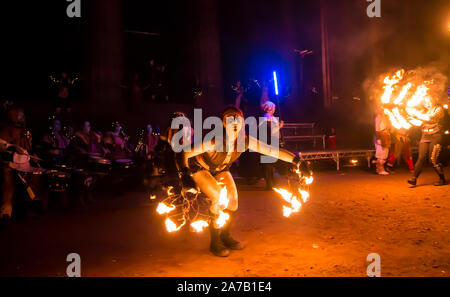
(225,235)
(412,181)
(440,172)
(217,247)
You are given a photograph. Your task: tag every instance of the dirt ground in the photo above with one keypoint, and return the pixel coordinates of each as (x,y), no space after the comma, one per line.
(349,215)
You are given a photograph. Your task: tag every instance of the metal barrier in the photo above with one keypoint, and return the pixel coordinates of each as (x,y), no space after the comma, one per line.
(296,137)
(337,155)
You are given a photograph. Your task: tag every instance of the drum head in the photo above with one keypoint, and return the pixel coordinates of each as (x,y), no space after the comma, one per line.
(99,160)
(125,161)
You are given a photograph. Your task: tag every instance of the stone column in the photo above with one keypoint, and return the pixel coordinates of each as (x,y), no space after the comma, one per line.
(104,55)
(204,52)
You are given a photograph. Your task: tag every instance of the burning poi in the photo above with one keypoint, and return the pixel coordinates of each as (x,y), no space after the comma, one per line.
(205,169)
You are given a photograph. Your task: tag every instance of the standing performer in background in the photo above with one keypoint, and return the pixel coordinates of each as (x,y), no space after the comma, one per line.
(62,100)
(430,146)
(269,124)
(207,165)
(382,141)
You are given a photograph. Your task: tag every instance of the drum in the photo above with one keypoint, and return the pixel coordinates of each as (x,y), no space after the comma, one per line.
(123,163)
(99,165)
(26,168)
(58,181)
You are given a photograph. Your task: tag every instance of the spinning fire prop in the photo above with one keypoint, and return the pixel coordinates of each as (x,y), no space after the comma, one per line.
(300,188)
(192,207)
(407,103)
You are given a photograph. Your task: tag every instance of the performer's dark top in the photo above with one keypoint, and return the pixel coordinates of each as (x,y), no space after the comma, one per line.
(216,162)
(433,127)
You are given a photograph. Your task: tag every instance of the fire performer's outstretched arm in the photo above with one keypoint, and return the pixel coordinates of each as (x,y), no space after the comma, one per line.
(277,153)
(253,144)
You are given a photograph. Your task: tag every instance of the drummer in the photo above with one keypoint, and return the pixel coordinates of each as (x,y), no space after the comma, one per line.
(15,143)
(116,142)
(145,148)
(86,141)
(55,142)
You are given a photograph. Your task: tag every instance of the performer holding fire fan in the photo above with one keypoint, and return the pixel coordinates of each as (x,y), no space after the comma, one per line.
(207,166)
(431,145)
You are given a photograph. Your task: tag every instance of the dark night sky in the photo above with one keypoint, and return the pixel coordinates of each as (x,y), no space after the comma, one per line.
(39,38)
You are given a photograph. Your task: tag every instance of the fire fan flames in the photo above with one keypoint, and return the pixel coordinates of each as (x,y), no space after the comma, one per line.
(294,203)
(406,103)
(180,210)
(193,209)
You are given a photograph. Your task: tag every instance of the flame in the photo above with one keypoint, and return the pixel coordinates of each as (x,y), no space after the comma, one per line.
(199,225)
(287,211)
(403,93)
(172,227)
(295,204)
(163,208)
(152,197)
(304,194)
(285,194)
(192,191)
(223,198)
(308,180)
(411,107)
(390,82)
(222,219)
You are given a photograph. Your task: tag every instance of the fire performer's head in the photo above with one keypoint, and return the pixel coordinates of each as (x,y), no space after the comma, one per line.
(233,122)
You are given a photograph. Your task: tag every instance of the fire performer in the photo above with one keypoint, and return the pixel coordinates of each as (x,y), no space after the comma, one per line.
(207,165)
(431,145)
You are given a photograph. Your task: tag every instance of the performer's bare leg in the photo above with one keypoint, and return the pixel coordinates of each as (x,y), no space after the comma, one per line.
(221,242)
(208,186)
(226,178)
